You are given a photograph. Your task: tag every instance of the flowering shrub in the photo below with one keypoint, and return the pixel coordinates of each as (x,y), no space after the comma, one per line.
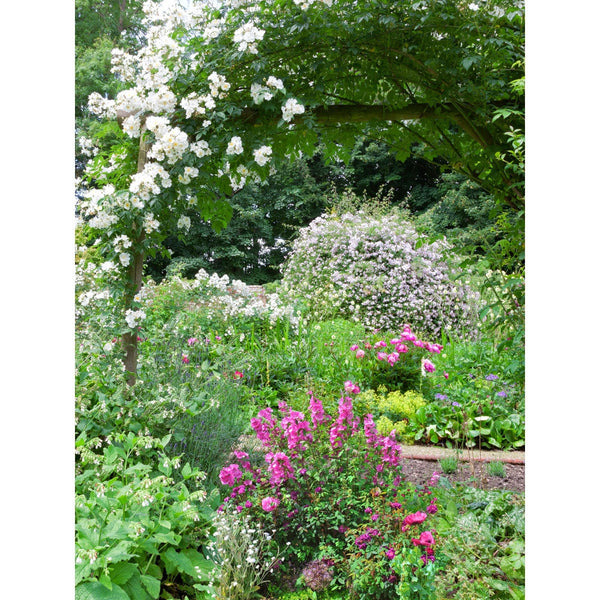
(379,271)
(331,488)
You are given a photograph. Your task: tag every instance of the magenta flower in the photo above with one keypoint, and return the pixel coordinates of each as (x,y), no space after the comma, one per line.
(392,358)
(413,519)
(390,553)
(191,341)
(379,344)
(269,503)
(427,366)
(402,348)
(382,356)
(351,388)
(238,375)
(184,359)
(426,539)
(446,375)
(229,475)
(360,353)
(354,347)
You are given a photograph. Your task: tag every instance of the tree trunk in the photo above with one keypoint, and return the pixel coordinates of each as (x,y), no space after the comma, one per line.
(134,284)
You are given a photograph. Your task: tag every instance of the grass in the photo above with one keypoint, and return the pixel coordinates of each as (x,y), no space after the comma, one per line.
(496,469)
(449,464)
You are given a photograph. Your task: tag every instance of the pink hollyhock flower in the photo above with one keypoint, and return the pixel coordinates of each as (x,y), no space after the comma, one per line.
(269,503)
(427,366)
(360,353)
(382,356)
(192,341)
(184,359)
(426,539)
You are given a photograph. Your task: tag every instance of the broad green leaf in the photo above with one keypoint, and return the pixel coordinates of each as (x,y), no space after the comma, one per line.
(122,572)
(151,584)
(94,590)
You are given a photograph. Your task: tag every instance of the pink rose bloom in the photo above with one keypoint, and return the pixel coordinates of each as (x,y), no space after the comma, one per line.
(414,518)
(382,356)
(426,539)
(402,348)
(446,375)
(379,344)
(390,553)
(354,347)
(269,503)
(360,353)
(368,346)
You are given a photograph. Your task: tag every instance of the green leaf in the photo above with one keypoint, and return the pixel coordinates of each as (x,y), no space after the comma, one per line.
(152,585)
(122,572)
(94,590)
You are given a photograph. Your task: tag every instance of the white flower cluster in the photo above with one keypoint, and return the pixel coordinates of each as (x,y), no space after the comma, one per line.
(87,146)
(188,174)
(201,148)
(134,318)
(218,85)
(130,101)
(195,105)
(246,37)
(235,146)
(123,64)
(291,108)
(184,222)
(212,30)
(144,183)
(263,155)
(150,223)
(235,299)
(380,272)
(101,107)
(245,554)
(170,144)
(260,92)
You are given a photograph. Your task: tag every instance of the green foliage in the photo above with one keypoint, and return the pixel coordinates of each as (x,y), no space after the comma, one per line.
(496,469)
(449,464)
(483,552)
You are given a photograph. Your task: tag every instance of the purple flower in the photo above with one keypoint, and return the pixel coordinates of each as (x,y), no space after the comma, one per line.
(502,394)
(491,377)
(441,397)
(390,553)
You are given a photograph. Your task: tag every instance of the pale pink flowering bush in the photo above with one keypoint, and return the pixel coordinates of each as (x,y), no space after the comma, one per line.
(380,272)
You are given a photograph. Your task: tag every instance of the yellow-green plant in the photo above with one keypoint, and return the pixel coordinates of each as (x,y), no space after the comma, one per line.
(401,405)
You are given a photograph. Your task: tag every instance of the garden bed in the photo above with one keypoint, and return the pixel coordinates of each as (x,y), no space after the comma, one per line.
(475,473)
